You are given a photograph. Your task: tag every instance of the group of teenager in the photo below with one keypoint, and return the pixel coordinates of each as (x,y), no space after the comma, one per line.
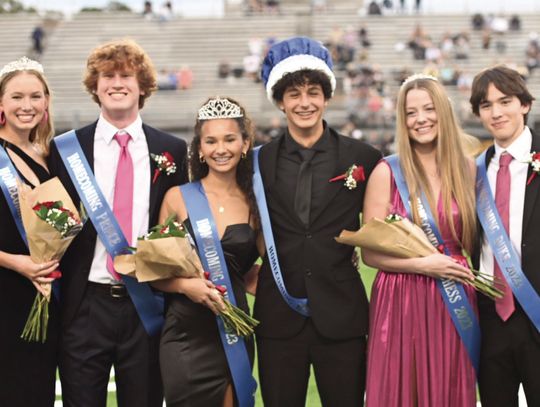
(404,348)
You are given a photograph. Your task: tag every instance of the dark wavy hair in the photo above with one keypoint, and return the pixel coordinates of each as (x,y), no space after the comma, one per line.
(244,171)
(301,78)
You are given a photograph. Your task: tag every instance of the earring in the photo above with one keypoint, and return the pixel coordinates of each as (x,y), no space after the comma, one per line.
(243,155)
(2,118)
(201,159)
(45,117)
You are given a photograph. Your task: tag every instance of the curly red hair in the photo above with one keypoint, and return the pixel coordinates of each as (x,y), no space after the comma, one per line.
(121,55)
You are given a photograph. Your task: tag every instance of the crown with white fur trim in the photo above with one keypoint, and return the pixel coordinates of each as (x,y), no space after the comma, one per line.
(294,55)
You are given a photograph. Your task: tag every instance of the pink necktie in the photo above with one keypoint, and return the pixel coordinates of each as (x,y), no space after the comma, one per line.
(505,306)
(123,193)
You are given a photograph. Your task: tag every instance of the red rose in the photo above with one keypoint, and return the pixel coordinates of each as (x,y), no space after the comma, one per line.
(358,174)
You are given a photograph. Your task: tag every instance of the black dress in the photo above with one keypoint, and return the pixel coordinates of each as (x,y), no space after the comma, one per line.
(27,369)
(194,367)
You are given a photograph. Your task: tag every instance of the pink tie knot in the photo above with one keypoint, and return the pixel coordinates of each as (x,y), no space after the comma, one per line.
(505,159)
(122,138)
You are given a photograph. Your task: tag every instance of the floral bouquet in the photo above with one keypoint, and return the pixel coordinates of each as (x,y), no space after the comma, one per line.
(51,223)
(397,236)
(166,251)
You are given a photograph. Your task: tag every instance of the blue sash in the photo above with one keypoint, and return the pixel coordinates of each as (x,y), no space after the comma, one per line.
(452,292)
(8,183)
(149,305)
(213,260)
(502,248)
(300,305)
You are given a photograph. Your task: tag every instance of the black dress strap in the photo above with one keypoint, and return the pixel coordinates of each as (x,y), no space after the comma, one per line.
(41,173)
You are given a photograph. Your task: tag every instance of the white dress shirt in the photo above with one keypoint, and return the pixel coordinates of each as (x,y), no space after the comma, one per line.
(106,155)
(520,149)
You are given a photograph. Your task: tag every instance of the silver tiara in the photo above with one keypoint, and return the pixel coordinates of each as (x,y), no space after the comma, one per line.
(417,76)
(218,108)
(21,64)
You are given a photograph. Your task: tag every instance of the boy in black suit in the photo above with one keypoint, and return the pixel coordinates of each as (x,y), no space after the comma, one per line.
(314,311)
(107,320)
(510,352)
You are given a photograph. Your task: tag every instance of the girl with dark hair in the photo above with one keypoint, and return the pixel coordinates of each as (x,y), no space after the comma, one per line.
(195,366)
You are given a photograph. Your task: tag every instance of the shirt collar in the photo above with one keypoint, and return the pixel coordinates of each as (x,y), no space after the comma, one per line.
(107,130)
(520,148)
(322,144)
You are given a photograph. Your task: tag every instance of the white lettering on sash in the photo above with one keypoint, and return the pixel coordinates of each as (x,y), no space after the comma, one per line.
(11,183)
(84,182)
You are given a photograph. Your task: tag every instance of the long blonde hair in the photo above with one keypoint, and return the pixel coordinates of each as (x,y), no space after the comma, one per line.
(454,168)
(43,132)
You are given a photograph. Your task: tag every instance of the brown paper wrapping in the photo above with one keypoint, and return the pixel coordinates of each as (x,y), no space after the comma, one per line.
(159,259)
(401,238)
(44,241)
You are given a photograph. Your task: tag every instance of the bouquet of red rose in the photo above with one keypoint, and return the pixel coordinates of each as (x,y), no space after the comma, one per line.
(166,251)
(397,236)
(51,223)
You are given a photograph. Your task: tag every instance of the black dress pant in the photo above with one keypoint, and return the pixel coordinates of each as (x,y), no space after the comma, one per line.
(106,332)
(285,364)
(510,355)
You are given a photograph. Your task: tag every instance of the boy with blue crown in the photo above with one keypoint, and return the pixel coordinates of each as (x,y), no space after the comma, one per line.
(310,301)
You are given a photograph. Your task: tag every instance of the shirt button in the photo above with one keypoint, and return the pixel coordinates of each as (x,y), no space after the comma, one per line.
(308,272)
(308,236)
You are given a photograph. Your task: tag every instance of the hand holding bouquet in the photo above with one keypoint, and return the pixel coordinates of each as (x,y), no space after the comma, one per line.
(51,222)
(398,237)
(167,252)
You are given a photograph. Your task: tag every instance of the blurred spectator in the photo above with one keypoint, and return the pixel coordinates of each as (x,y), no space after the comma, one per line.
(515,23)
(363,38)
(273,7)
(447,45)
(532,53)
(37,40)
(417,42)
(432,52)
(374,9)
(499,25)
(477,22)
(252,64)
(486,37)
(147,10)
(224,70)
(166,80)
(253,6)
(165,11)
(184,78)
(461,46)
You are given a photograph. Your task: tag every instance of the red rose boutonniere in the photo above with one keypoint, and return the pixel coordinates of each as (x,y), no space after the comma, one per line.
(352,176)
(534,160)
(164,163)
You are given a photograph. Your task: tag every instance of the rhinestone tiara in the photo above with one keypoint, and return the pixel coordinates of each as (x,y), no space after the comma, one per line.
(21,64)
(417,76)
(218,108)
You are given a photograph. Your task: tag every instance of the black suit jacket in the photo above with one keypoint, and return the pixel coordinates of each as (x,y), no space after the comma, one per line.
(530,238)
(311,261)
(75,264)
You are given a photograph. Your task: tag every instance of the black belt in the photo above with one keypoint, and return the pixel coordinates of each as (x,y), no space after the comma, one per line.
(112,290)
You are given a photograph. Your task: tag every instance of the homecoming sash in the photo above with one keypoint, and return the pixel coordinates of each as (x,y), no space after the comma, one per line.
(300,305)
(503,250)
(149,305)
(452,292)
(213,261)
(8,183)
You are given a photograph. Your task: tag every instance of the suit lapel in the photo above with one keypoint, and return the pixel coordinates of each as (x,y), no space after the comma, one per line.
(531,190)
(154,147)
(332,188)
(86,140)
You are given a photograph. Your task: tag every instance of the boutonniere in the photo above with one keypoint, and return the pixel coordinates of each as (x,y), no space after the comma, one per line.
(164,163)
(353,175)
(534,160)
